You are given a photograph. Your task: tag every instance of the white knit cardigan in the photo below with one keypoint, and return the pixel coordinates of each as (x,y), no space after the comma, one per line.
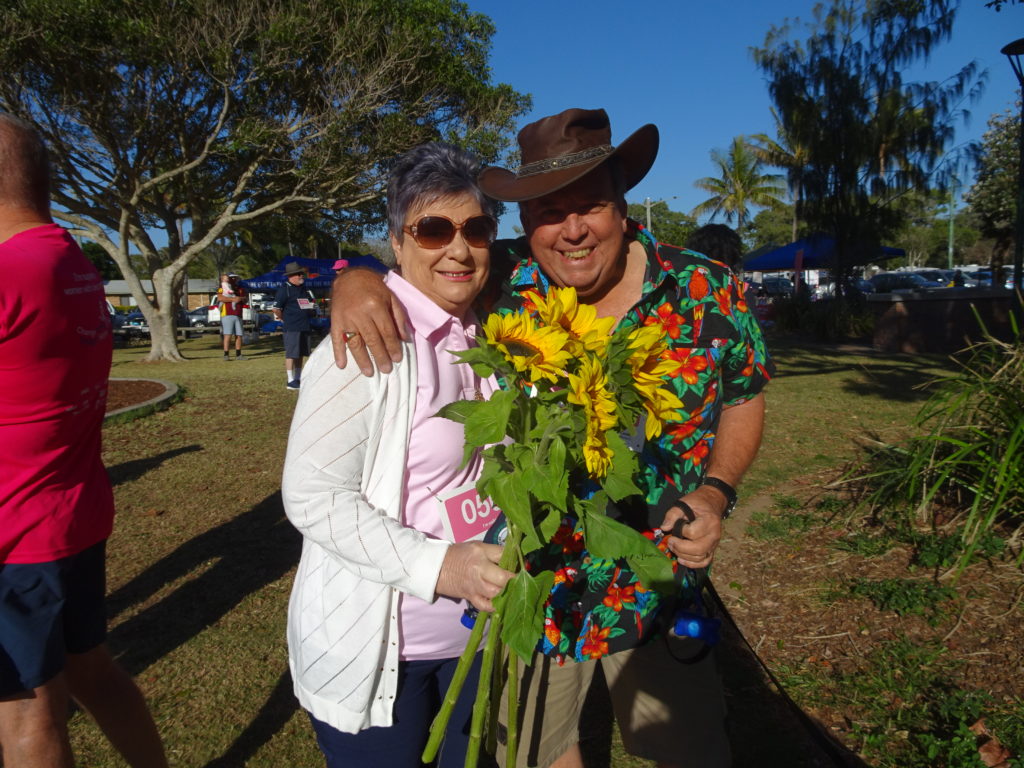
(343,486)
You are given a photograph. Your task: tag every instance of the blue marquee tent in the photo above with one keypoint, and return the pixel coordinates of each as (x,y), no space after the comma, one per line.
(321,272)
(818,253)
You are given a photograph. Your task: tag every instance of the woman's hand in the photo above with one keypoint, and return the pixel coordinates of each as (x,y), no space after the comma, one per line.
(470,571)
(366,316)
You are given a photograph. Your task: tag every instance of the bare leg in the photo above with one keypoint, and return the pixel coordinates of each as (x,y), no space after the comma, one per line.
(33,727)
(109,694)
(238,343)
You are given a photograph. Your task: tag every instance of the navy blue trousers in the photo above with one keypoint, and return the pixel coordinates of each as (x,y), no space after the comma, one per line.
(421,688)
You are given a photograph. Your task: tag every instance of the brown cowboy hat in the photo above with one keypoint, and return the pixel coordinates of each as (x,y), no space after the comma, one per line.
(294,268)
(557,150)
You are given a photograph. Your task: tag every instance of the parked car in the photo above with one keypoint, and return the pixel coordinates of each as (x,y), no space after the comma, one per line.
(981,277)
(135,324)
(200,318)
(774,285)
(941,276)
(901,282)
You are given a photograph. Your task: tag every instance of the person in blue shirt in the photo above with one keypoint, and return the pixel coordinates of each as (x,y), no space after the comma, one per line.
(294,305)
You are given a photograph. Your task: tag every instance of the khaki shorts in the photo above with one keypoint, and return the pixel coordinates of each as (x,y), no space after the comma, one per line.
(667,697)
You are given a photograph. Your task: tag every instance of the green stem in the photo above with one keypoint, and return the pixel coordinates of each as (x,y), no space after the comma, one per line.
(440,724)
(483,698)
(497,684)
(510,557)
(512,746)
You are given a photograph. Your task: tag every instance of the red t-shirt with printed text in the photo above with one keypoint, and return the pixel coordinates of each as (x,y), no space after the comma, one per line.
(55,352)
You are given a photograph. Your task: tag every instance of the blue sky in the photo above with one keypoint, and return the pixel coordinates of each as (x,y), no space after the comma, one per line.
(690,72)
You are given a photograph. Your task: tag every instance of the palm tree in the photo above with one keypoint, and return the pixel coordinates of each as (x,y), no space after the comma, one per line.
(787,153)
(739,186)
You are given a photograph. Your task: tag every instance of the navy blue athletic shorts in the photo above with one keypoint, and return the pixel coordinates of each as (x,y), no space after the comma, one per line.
(296,344)
(48,610)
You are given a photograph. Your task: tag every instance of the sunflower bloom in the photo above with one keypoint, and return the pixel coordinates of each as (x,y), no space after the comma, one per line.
(588,388)
(646,346)
(661,405)
(597,455)
(561,308)
(539,353)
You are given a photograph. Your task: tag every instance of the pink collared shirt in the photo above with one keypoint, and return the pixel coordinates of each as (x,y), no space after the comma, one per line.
(434,630)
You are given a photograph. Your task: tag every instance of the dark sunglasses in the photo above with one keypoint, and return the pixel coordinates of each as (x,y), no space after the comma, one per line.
(434,232)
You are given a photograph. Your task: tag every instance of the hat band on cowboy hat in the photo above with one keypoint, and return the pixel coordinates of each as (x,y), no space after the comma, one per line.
(565,161)
(558,150)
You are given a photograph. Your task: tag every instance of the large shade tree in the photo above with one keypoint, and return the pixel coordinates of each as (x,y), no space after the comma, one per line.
(870,136)
(993,198)
(174,124)
(740,185)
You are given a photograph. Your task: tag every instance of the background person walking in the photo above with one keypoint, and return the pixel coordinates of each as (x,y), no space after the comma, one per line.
(56,503)
(294,305)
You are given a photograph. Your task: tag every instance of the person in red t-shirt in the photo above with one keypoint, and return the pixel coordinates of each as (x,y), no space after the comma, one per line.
(56,503)
(231,297)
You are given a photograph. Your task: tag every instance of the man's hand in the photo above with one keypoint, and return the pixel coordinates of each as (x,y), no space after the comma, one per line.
(470,571)
(366,319)
(700,536)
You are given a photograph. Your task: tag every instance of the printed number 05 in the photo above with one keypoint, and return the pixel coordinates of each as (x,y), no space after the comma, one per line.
(471,511)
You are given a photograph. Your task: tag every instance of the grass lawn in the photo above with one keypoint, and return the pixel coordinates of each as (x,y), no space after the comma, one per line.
(201,560)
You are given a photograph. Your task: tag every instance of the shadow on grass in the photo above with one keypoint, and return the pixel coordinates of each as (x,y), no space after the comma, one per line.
(871,374)
(276,711)
(127,471)
(250,551)
(763,728)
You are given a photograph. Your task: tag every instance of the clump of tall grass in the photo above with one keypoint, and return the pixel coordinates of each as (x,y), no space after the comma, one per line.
(965,471)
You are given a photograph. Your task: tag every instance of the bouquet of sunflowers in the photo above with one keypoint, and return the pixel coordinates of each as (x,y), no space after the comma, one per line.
(554,446)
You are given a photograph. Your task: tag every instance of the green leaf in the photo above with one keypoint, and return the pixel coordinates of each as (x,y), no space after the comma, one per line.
(654,570)
(610,539)
(489,422)
(521,604)
(460,410)
(549,522)
(508,491)
(548,479)
(619,482)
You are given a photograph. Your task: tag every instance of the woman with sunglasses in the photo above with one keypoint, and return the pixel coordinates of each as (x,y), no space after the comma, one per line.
(375,482)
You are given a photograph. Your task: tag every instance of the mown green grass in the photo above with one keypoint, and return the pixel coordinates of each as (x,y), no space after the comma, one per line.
(201,560)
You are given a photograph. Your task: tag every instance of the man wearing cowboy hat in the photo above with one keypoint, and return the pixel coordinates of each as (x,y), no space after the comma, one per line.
(294,305)
(571,193)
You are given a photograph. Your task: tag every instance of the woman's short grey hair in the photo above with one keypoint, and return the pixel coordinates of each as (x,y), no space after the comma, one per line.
(431,172)
(24,165)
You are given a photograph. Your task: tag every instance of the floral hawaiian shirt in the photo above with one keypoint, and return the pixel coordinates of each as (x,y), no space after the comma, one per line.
(598,606)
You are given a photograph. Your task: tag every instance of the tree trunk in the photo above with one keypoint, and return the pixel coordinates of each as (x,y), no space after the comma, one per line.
(162,317)
(163,337)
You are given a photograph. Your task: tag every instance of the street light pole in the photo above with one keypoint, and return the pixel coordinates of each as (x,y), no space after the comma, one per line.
(1014,51)
(952,204)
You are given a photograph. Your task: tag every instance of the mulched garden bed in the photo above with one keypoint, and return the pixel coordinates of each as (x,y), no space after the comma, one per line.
(123,393)
(841,622)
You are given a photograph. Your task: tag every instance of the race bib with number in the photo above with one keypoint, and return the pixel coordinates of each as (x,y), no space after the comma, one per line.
(465,516)
(305,304)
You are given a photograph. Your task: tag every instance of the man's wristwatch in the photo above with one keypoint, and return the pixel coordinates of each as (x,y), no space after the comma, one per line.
(726,490)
